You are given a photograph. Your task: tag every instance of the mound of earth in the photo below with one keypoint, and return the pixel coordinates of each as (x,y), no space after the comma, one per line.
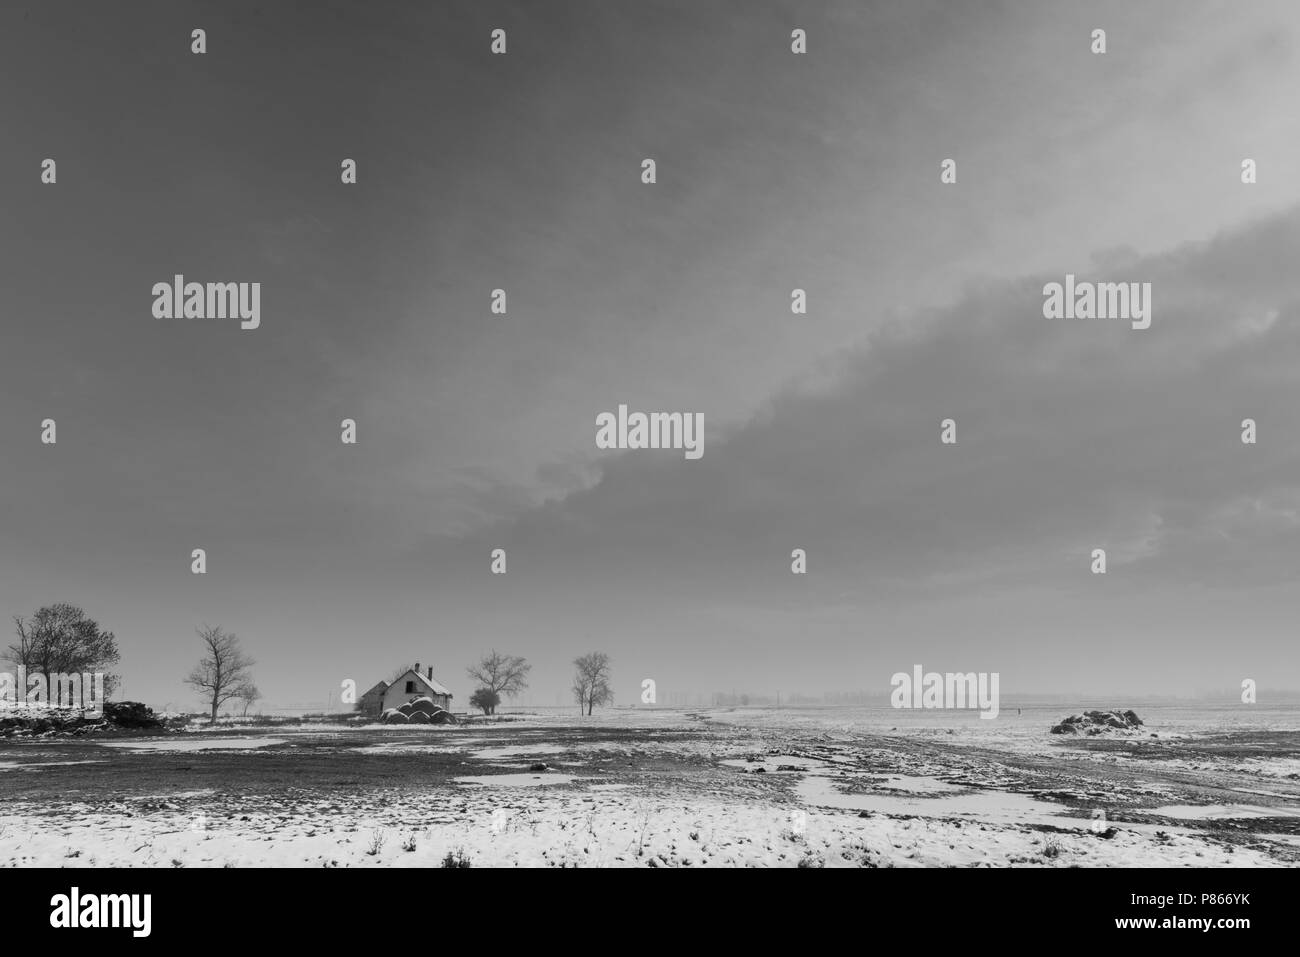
(1099,722)
(132,714)
(68,722)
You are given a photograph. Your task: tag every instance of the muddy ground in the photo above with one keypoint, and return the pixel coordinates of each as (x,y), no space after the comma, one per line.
(694,790)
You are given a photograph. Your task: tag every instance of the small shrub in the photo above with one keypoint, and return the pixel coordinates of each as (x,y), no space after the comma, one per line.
(458,859)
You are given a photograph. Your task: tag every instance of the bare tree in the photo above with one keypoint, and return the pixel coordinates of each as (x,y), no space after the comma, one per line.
(224,672)
(60,638)
(591,681)
(249,695)
(503,675)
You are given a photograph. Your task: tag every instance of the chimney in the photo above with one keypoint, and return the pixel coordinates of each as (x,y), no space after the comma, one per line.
(416,669)
(430,672)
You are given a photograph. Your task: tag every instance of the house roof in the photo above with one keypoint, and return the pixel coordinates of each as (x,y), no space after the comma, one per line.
(381,687)
(429,683)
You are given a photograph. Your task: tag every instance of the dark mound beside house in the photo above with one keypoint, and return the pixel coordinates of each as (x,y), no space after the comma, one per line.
(1099,722)
(66,722)
(418,711)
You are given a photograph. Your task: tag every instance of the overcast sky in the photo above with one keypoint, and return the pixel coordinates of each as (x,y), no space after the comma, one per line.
(821,432)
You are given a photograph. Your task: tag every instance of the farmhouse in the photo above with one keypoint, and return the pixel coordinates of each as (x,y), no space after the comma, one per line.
(372,702)
(414,683)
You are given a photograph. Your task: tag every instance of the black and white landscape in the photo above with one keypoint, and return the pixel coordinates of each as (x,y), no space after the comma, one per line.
(603,433)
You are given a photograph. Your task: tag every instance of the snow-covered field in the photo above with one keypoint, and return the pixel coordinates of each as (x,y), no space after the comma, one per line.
(637,787)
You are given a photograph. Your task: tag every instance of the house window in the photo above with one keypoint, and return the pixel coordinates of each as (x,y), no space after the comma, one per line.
(410,687)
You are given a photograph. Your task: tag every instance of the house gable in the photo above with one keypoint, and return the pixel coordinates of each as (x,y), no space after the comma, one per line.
(412,682)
